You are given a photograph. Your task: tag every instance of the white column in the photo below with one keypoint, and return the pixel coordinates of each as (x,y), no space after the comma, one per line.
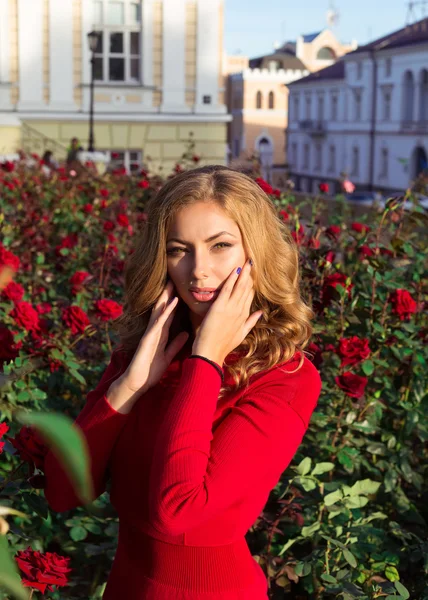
(61,55)
(4,56)
(174,58)
(147,51)
(30,48)
(207,55)
(87,26)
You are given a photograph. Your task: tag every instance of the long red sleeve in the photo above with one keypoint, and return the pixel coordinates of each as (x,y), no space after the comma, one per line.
(196,474)
(101,425)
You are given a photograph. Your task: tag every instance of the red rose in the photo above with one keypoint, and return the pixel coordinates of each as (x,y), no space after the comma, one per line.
(195,158)
(122,220)
(30,446)
(143,184)
(88,208)
(7,259)
(103,203)
(108,225)
(353,350)
(352,385)
(108,310)
(333,232)
(323,188)
(75,318)
(403,304)
(276,193)
(4,428)
(360,227)
(104,193)
(266,187)
(79,277)
(42,570)
(313,243)
(8,166)
(329,257)
(331,282)
(43,308)
(284,215)
(14,291)
(386,252)
(26,316)
(365,251)
(316,357)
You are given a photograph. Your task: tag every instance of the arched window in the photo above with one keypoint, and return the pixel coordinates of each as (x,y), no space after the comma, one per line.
(264,147)
(326,53)
(271,100)
(408,96)
(423,104)
(258,99)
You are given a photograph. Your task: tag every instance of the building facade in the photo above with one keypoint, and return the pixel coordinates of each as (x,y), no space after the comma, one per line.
(257,98)
(366,116)
(157,68)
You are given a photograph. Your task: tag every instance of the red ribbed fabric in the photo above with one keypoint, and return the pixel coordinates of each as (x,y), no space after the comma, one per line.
(190,475)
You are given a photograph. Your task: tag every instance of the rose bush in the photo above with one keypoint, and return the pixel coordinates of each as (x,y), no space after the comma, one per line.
(349,517)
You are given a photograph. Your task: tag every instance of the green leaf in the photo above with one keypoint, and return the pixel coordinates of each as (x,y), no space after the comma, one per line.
(287,545)
(368,367)
(9,574)
(328,578)
(355,501)
(350,558)
(78,376)
(322,467)
(304,467)
(365,486)
(391,573)
(308,531)
(333,497)
(68,444)
(306,483)
(23,396)
(404,592)
(78,533)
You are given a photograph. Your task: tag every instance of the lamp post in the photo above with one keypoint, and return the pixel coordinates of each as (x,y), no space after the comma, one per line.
(93,43)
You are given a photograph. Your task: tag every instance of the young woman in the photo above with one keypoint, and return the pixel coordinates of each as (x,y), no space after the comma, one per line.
(208,397)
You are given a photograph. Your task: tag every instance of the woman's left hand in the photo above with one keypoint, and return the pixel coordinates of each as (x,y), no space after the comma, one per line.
(228,321)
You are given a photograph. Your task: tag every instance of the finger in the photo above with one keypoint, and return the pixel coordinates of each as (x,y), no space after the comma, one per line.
(244,283)
(162,301)
(163,316)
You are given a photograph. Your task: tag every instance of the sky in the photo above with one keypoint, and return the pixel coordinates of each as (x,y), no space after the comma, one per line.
(253,26)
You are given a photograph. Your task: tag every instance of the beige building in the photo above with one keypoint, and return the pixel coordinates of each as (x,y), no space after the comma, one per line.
(257,97)
(158,77)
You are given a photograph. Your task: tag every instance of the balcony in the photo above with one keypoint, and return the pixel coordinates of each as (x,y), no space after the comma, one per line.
(420,126)
(313,128)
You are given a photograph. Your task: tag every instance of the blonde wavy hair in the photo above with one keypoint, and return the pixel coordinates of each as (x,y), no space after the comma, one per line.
(285,327)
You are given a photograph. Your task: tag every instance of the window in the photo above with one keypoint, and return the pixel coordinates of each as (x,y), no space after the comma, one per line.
(355,161)
(206,99)
(408,96)
(423,91)
(384,162)
(306,156)
(388,67)
(318,157)
(294,156)
(117,56)
(130,159)
(274,65)
(320,108)
(334,104)
(259,100)
(359,70)
(326,53)
(332,159)
(308,106)
(386,105)
(357,105)
(271,100)
(295,114)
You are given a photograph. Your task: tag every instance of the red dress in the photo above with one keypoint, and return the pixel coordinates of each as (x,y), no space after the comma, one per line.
(190,475)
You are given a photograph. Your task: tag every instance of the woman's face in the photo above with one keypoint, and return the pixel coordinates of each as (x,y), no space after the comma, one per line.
(194,261)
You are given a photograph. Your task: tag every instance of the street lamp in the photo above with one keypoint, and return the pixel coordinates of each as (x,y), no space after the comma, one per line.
(93,43)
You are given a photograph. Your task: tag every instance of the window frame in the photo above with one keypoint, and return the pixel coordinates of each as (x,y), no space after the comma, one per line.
(126,29)
(126,158)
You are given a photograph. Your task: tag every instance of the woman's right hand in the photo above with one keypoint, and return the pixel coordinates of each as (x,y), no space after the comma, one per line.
(151,359)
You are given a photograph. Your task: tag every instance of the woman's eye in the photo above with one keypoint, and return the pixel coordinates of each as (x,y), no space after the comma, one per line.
(172,250)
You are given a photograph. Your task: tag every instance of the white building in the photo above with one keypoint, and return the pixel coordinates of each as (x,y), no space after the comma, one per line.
(157,69)
(366,115)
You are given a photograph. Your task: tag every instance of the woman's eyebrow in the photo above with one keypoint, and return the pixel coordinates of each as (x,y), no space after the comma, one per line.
(210,239)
